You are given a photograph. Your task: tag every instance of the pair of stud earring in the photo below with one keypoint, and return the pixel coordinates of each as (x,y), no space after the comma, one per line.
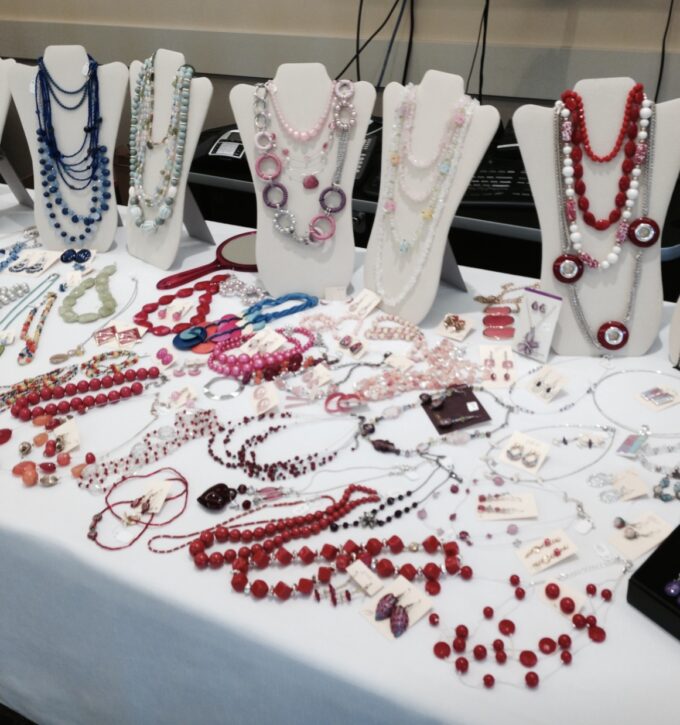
(389,608)
(192,369)
(349,343)
(516,452)
(176,316)
(27,268)
(454,322)
(544,386)
(164,356)
(263,401)
(538,307)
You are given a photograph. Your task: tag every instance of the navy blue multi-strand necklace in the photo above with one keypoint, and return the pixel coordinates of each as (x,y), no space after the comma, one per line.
(85,168)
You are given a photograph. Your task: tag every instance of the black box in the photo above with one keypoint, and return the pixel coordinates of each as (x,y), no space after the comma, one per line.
(646,586)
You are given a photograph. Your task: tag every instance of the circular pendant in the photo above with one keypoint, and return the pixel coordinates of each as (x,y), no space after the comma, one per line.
(643,232)
(188,339)
(568,268)
(613,335)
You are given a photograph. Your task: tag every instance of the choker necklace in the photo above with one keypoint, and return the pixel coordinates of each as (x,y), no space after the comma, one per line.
(268,166)
(433,200)
(642,232)
(141,141)
(87,167)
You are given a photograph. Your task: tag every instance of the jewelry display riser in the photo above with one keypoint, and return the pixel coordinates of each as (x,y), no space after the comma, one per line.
(603,294)
(160,246)
(438,94)
(68,65)
(284,264)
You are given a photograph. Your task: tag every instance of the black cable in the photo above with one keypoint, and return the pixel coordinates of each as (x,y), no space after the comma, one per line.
(390,45)
(409,47)
(482,57)
(474,55)
(357,40)
(662,61)
(370,38)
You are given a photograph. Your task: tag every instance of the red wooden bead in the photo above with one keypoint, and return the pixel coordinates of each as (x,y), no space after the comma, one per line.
(466,572)
(431,571)
(462,631)
(479,652)
(567,605)
(442,650)
(221,534)
(196,547)
(547,645)
(566,657)
(531,678)
(206,536)
(282,591)
(384,568)
(591,620)
(528,658)
(552,590)
(433,619)
(501,657)
(433,587)
(305,586)
(514,580)
(259,589)
(591,590)
(579,621)
(239,581)
(216,560)
(498,645)
(201,560)
(564,641)
(431,544)
(489,681)
(462,664)
(520,593)
(459,644)
(606,594)
(506,627)
(488,612)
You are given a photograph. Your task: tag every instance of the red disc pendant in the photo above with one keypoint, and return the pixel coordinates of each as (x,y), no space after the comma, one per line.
(643,232)
(613,335)
(497,320)
(568,268)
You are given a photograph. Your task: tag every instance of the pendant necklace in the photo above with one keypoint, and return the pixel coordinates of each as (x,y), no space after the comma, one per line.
(161,201)
(84,169)
(413,252)
(268,166)
(642,232)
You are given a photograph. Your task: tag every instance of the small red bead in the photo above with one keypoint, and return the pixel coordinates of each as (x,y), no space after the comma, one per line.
(282,591)
(528,658)
(137,388)
(531,678)
(564,641)
(442,650)
(462,631)
(459,644)
(579,621)
(462,664)
(433,587)
(591,620)
(479,652)
(501,657)
(216,560)
(566,657)
(597,634)
(488,612)
(591,590)
(498,645)
(514,580)
(259,589)
(506,627)
(520,593)
(606,594)
(567,605)
(221,534)
(489,681)
(63,459)
(434,619)
(466,572)
(201,560)
(431,571)
(207,537)
(547,645)
(552,590)
(196,547)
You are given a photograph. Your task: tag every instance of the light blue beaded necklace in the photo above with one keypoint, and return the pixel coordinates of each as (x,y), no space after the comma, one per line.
(162,199)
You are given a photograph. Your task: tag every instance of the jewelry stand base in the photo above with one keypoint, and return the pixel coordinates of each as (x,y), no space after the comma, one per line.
(194,221)
(451,271)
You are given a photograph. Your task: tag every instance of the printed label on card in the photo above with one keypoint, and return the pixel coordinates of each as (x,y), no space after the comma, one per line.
(413,600)
(638,537)
(524,452)
(503,506)
(364,303)
(265,397)
(630,486)
(364,578)
(68,432)
(541,554)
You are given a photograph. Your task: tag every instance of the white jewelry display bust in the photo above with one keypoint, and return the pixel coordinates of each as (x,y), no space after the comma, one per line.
(285,265)
(437,96)
(160,247)
(5,95)
(674,336)
(603,294)
(68,66)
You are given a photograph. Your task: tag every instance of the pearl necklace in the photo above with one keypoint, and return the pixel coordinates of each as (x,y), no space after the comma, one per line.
(643,232)
(141,140)
(420,245)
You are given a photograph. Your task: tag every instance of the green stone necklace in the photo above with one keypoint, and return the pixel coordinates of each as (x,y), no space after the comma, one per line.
(101,284)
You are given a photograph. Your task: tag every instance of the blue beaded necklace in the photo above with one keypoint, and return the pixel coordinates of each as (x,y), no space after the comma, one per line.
(85,168)
(252,318)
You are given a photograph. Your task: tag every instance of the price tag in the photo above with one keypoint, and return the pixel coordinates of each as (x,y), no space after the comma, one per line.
(364,303)
(267,340)
(265,397)
(68,432)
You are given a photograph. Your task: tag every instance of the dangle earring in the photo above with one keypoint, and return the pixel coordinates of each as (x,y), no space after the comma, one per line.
(507,366)
(489,365)
(515,452)
(530,459)
(672,589)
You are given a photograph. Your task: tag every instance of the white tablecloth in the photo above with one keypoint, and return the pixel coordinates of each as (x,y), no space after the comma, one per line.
(89,636)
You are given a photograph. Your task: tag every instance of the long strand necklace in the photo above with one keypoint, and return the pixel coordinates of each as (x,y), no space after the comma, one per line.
(268,166)
(86,168)
(31,341)
(161,200)
(434,200)
(642,232)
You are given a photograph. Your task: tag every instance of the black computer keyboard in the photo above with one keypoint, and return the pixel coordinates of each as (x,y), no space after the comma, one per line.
(499,184)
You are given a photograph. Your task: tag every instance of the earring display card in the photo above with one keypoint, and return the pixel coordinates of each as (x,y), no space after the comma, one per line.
(70,437)
(536,324)
(399,362)
(265,341)
(524,452)
(264,398)
(547,384)
(415,602)
(502,507)
(364,303)
(651,590)
(459,408)
(541,554)
(638,537)
(34,261)
(630,486)
(455,327)
(498,365)
(364,578)
(660,398)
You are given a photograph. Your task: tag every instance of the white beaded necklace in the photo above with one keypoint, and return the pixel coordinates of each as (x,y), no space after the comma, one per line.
(434,199)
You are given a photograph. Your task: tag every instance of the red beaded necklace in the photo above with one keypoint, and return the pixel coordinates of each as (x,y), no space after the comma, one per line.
(581,144)
(209,288)
(150,521)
